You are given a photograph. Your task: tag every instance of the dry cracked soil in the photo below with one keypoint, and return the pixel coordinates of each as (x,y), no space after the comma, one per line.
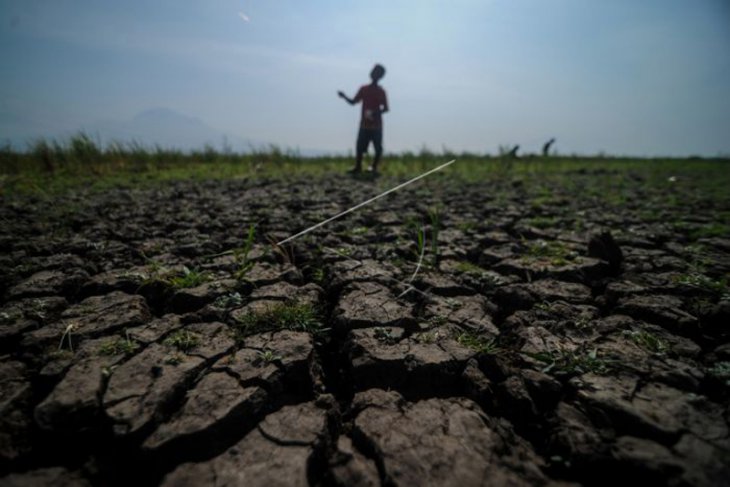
(547,338)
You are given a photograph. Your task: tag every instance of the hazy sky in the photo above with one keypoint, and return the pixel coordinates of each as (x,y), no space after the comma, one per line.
(642,77)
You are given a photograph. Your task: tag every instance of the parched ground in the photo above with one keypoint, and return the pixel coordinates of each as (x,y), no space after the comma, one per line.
(555,332)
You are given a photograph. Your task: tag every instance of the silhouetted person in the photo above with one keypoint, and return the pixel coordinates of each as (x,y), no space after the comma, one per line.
(546,147)
(374,104)
(513,153)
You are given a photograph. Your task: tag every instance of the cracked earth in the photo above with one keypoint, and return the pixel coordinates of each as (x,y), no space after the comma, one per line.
(546,339)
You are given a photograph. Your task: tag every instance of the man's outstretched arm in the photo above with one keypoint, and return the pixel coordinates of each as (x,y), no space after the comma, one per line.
(349,100)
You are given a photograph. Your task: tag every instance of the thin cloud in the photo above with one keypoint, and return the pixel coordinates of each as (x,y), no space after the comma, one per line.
(244,17)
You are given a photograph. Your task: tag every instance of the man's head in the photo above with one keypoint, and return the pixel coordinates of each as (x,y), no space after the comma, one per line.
(377,73)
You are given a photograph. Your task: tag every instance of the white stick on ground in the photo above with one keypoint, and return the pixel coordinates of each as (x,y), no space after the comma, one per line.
(350,210)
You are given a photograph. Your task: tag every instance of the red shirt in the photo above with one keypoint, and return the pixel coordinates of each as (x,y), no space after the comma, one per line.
(373,100)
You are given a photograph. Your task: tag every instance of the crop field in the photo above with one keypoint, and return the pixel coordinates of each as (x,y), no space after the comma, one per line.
(532,321)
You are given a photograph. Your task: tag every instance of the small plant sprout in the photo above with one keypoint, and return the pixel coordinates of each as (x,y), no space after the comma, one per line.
(284,316)
(434,215)
(429,336)
(556,253)
(241,255)
(119,345)
(190,278)
(183,340)
(228,301)
(384,335)
(648,341)
(482,345)
(268,356)
(174,358)
(67,336)
(569,363)
(421,246)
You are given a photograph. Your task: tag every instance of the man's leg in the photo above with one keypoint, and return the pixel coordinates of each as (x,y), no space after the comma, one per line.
(360,148)
(378,145)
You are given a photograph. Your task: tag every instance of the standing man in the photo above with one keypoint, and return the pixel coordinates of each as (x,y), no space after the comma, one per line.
(374,104)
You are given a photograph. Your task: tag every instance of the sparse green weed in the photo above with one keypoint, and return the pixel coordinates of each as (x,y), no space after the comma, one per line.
(542,221)
(648,341)
(701,281)
(190,278)
(285,316)
(229,300)
(555,252)
(720,371)
(428,336)
(174,358)
(566,363)
(480,344)
(384,335)
(183,340)
(466,267)
(241,256)
(712,230)
(118,345)
(268,356)
(434,216)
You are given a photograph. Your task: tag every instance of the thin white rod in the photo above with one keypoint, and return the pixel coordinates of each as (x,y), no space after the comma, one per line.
(350,210)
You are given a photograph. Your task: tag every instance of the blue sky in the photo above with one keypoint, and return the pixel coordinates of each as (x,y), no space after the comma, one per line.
(649,77)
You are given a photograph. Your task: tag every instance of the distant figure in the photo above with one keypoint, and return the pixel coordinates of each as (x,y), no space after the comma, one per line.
(374,104)
(513,153)
(546,147)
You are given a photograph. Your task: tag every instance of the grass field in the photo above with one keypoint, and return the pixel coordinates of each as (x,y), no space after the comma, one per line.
(53,167)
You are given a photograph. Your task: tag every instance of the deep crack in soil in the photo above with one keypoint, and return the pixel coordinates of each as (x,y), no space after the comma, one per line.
(544,339)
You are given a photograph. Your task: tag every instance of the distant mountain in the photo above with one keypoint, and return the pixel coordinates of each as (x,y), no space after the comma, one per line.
(161,127)
(168,129)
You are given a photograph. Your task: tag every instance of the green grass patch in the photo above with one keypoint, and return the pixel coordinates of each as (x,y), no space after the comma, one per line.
(708,231)
(189,278)
(51,167)
(182,340)
(480,344)
(701,281)
(542,221)
(556,253)
(565,363)
(285,316)
(721,372)
(648,341)
(118,346)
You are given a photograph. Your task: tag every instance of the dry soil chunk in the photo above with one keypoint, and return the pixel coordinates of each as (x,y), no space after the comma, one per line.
(74,404)
(15,420)
(45,477)
(143,388)
(49,283)
(661,310)
(95,316)
(467,312)
(283,359)
(441,442)
(655,410)
(380,360)
(273,454)
(217,405)
(190,299)
(370,304)
(348,271)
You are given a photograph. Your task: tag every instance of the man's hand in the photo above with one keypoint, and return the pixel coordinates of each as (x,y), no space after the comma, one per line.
(341,95)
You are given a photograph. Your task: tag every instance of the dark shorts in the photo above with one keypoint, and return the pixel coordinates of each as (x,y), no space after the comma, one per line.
(364,136)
